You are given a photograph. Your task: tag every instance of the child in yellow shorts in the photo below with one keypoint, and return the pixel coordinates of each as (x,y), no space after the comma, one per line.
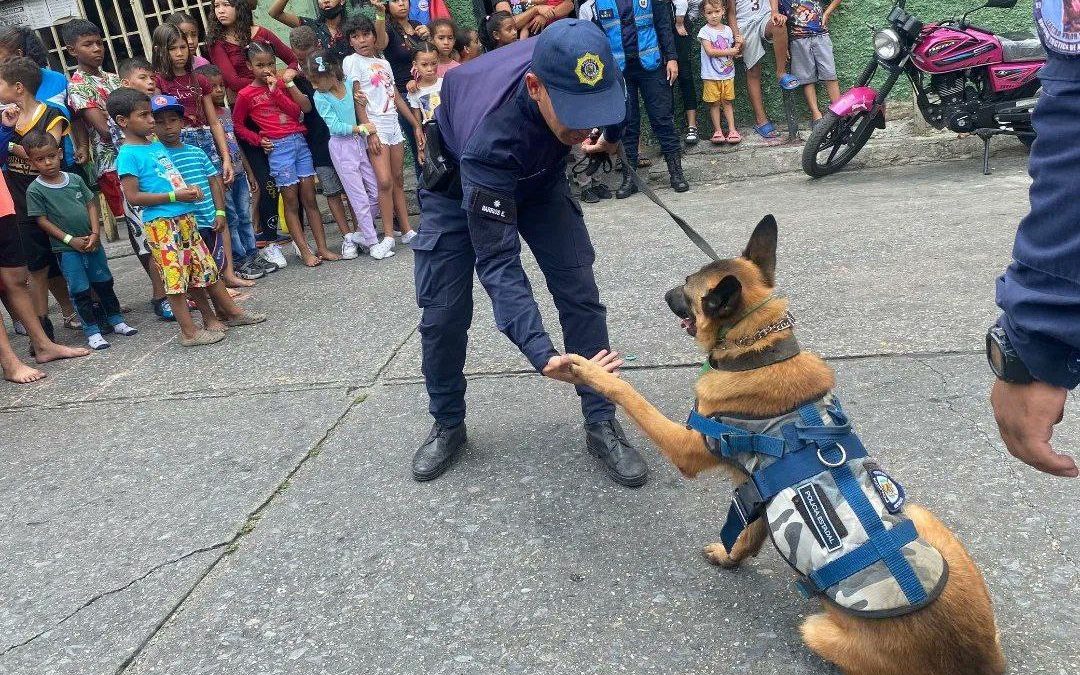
(718,47)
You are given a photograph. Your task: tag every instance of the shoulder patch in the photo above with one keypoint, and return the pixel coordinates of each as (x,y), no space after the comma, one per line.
(491,205)
(891,492)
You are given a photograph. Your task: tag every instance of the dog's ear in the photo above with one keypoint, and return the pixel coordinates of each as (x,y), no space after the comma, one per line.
(723,299)
(762,248)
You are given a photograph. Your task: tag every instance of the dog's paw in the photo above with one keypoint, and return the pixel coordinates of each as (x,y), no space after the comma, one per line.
(718,555)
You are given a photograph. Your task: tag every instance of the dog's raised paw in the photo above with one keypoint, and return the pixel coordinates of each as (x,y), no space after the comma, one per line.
(718,555)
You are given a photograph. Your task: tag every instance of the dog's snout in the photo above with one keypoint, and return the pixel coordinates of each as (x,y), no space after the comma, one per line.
(676,300)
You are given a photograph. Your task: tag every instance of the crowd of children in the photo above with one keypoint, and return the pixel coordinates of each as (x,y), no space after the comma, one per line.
(192,155)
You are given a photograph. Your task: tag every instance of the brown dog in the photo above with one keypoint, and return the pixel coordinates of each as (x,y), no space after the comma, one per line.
(953,635)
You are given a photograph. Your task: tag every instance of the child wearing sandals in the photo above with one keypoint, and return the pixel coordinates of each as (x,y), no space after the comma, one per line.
(275,106)
(718,50)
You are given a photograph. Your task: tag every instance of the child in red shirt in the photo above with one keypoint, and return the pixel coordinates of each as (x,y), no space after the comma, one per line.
(274,106)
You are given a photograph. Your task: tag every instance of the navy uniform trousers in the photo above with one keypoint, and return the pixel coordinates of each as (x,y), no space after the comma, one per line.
(445,257)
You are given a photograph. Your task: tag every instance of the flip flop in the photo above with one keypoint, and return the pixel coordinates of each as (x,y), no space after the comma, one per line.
(718,138)
(789,82)
(767,131)
(734,137)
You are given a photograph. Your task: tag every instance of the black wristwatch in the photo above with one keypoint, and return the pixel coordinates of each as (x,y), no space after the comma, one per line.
(1004,360)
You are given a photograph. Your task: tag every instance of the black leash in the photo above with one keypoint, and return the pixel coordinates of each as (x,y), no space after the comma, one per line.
(690,232)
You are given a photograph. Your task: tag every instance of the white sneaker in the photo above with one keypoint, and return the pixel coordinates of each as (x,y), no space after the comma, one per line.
(97,342)
(397,233)
(383,249)
(348,249)
(408,236)
(272,254)
(390,242)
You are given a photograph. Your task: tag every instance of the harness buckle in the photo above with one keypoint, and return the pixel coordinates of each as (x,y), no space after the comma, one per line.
(832,465)
(748,502)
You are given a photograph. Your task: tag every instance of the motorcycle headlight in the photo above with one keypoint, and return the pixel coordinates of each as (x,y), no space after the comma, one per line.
(887,44)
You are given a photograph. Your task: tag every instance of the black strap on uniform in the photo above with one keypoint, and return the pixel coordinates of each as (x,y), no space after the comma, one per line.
(690,232)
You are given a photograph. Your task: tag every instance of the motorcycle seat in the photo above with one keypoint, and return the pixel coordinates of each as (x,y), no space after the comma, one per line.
(1021,47)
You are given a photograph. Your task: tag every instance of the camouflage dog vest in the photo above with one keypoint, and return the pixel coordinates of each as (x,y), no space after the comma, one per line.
(832,512)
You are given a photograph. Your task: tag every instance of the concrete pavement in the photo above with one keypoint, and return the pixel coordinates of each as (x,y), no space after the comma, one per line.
(247,508)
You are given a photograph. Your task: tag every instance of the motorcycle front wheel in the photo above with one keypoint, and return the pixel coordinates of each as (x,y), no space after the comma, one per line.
(835,141)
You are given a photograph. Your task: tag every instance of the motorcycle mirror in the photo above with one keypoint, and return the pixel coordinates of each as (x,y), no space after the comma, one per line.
(1003,4)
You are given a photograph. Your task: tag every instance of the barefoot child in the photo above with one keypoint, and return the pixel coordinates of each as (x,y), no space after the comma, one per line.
(67,211)
(152,182)
(348,148)
(14,369)
(386,147)
(242,252)
(812,50)
(718,50)
(275,106)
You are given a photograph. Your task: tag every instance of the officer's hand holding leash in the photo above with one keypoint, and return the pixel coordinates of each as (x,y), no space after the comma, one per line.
(559,367)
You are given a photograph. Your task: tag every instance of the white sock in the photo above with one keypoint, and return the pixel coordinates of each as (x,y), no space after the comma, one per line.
(97,342)
(124,329)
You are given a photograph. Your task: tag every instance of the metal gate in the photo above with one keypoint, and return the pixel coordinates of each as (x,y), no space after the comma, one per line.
(126,25)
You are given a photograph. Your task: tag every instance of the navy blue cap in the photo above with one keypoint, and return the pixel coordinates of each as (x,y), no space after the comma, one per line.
(573,59)
(163,102)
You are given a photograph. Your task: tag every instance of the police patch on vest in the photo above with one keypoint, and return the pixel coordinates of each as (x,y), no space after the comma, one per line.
(607,14)
(1059,25)
(891,492)
(493,206)
(590,69)
(643,3)
(820,515)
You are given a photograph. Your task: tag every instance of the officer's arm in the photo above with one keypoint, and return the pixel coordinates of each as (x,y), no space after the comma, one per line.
(488,182)
(1042,319)
(663,19)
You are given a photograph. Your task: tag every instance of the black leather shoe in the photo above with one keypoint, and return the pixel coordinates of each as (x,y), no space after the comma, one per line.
(595,193)
(628,186)
(434,457)
(678,180)
(623,462)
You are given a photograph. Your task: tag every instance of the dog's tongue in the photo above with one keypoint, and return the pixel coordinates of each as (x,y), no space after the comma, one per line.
(684,324)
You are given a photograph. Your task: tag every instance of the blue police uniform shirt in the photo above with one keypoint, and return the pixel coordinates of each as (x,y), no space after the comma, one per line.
(1040,290)
(507,156)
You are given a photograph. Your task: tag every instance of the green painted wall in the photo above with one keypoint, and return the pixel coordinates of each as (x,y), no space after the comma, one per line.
(852,43)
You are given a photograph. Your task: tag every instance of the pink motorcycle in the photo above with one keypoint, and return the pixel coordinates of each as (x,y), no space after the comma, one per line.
(966,79)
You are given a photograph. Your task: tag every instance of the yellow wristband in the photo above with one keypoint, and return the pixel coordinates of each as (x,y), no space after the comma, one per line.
(290,83)
(68,238)
(220,212)
(172,196)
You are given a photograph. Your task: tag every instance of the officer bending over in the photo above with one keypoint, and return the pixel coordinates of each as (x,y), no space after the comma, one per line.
(506,122)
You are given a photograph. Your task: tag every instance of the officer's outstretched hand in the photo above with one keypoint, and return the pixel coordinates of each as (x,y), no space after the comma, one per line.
(560,367)
(1026,415)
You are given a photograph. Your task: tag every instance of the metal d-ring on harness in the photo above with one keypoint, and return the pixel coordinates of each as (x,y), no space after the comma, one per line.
(804,450)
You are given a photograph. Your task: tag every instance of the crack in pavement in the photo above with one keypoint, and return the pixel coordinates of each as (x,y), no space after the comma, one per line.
(1012,466)
(250,523)
(113,591)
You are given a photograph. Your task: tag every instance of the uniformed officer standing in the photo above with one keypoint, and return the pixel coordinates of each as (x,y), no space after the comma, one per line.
(643,43)
(1035,347)
(507,121)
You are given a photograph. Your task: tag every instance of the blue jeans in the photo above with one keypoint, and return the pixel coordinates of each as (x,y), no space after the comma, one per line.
(238,210)
(86,271)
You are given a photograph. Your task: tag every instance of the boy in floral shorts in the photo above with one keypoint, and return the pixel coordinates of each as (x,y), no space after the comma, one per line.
(151,181)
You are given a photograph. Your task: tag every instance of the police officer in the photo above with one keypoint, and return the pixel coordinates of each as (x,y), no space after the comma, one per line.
(1035,347)
(643,42)
(507,121)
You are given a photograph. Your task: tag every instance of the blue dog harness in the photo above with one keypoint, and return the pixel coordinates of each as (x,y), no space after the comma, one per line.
(832,512)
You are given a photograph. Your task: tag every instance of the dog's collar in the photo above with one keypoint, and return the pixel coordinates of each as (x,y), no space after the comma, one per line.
(782,350)
(785,322)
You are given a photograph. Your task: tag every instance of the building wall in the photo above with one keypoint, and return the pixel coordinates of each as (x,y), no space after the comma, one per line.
(852,42)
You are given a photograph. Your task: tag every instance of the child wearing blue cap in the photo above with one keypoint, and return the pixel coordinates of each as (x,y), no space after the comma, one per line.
(151,180)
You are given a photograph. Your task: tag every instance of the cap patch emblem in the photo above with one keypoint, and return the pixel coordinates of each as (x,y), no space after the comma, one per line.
(590,69)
